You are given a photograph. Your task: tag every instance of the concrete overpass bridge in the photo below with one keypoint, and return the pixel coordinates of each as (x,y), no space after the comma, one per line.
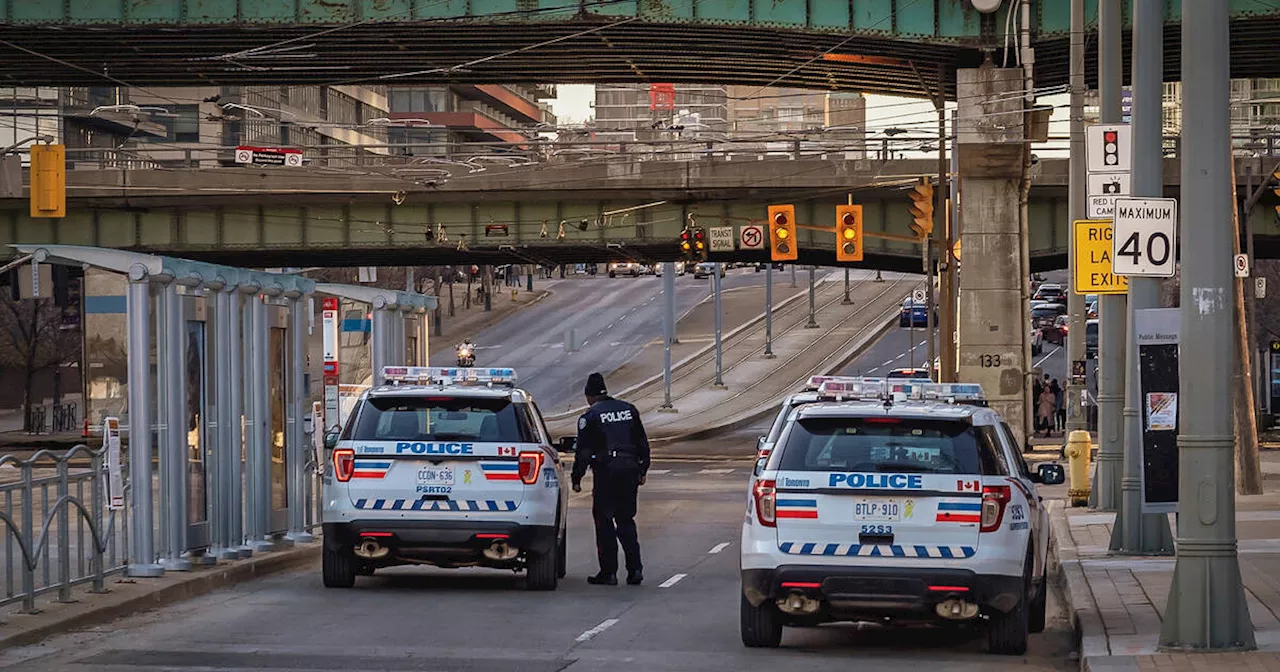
(888,46)
(552,213)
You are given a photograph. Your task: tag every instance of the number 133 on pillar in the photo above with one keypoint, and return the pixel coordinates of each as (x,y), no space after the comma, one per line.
(1145,240)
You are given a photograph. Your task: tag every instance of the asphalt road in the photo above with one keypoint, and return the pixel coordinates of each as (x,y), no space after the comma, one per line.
(612,317)
(896,350)
(483,620)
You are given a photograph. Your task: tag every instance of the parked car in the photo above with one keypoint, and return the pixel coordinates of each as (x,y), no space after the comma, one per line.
(1090,339)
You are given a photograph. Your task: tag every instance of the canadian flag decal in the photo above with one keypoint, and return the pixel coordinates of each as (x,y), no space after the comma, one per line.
(968,486)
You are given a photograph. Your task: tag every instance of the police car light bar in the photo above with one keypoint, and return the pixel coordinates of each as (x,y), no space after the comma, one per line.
(852,389)
(956,393)
(448,375)
(815,382)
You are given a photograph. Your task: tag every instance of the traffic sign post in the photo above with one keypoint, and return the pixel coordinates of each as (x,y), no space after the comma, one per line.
(751,237)
(1092,249)
(1241,263)
(1145,237)
(1109,148)
(269,156)
(1104,189)
(918,296)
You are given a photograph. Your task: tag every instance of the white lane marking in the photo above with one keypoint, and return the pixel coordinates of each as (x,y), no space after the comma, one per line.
(1046,357)
(615,344)
(672,581)
(610,326)
(659,471)
(584,343)
(888,362)
(604,625)
(624,317)
(716,471)
(874,370)
(718,547)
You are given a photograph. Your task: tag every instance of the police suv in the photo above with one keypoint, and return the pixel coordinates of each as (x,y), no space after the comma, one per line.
(451,467)
(896,502)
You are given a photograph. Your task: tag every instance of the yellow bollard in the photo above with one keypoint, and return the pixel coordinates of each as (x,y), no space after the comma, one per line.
(1079,446)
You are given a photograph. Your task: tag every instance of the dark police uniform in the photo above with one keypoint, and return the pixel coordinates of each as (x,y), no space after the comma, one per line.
(612,442)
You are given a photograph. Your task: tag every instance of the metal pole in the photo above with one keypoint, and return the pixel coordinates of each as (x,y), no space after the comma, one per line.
(953,235)
(377,348)
(161,420)
(259,460)
(221,465)
(142,556)
(1112,308)
(1134,531)
(668,331)
(715,284)
(174,464)
(793,275)
(812,324)
(1076,210)
(768,311)
(1207,608)
(1251,302)
(846,301)
(945,327)
(240,415)
(297,410)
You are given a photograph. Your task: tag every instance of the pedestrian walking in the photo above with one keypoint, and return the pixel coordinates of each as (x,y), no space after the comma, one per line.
(1060,410)
(1048,403)
(612,443)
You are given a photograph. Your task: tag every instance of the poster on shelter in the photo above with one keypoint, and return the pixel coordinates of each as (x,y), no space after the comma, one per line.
(1162,411)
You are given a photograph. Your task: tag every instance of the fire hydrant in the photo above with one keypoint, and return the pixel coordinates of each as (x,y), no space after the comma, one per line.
(1079,446)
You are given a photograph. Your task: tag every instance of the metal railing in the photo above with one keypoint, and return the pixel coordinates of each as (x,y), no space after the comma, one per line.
(44,549)
(64,416)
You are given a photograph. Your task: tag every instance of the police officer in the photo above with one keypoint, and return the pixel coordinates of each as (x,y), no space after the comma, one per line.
(612,442)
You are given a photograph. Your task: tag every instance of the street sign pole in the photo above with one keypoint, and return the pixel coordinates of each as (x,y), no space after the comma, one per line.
(1111,307)
(847,300)
(768,311)
(1136,533)
(1206,608)
(1075,208)
(812,324)
(668,331)
(716,282)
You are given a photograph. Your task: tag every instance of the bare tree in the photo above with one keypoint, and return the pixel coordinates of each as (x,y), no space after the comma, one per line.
(32,340)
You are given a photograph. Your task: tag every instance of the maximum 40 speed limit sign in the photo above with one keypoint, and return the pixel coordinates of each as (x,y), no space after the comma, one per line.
(1145,237)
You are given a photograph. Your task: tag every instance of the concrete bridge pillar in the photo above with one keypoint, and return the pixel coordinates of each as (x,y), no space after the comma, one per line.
(994,347)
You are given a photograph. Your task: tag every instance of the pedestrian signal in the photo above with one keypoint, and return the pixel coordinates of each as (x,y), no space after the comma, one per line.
(849,233)
(922,208)
(782,233)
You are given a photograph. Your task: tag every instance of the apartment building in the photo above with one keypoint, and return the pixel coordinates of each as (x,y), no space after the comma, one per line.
(468,118)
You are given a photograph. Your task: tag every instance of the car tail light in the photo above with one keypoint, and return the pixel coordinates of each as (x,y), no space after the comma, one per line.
(994,499)
(344,463)
(765,492)
(530,466)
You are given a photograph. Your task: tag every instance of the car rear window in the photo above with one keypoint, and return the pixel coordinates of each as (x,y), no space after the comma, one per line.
(441,419)
(889,445)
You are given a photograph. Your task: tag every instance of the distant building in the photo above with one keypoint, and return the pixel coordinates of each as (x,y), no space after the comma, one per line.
(454,115)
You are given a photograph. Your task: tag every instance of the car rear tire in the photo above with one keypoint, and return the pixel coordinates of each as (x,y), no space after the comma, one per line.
(1007,633)
(542,570)
(338,569)
(562,557)
(761,626)
(1039,609)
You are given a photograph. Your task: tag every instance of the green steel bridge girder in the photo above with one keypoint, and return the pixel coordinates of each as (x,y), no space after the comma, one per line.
(377,234)
(907,47)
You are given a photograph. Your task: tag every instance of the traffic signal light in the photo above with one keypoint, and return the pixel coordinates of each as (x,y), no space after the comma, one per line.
(48,181)
(922,208)
(782,233)
(849,233)
(686,244)
(1110,148)
(700,243)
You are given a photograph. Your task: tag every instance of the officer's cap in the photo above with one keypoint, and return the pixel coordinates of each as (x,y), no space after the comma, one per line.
(595,386)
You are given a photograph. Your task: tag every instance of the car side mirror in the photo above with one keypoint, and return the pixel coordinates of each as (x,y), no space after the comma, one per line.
(1051,474)
(566,444)
(759,443)
(331,440)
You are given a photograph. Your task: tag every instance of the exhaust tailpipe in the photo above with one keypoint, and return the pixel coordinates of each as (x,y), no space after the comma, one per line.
(956,609)
(371,550)
(501,551)
(798,604)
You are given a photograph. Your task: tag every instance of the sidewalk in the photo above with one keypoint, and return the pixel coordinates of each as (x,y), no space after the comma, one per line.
(1118,602)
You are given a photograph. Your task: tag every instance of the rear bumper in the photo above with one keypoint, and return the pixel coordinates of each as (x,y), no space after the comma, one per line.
(878,592)
(440,538)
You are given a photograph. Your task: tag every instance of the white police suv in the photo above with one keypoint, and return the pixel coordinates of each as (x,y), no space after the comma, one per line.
(451,467)
(896,501)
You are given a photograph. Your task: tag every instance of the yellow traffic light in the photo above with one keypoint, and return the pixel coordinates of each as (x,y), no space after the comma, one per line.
(922,208)
(48,181)
(782,233)
(849,233)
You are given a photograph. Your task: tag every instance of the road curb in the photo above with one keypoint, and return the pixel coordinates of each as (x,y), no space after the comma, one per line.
(126,599)
(747,418)
(1086,621)
(676,366)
